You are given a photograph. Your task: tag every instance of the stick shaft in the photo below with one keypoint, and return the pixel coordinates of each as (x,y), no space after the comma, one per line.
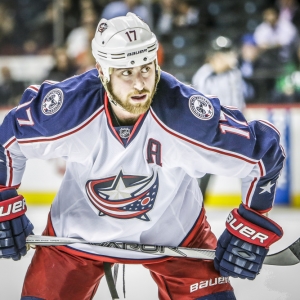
(286,257)
(149,249)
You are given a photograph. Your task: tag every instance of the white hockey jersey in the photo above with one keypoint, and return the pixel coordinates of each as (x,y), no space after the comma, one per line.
(136,183)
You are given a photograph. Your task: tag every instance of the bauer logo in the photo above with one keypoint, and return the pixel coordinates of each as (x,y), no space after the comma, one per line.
(201,107)
(208,283)
(52,102)
(136,52)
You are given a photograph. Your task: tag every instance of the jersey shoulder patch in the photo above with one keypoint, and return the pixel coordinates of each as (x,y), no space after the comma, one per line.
(56,107)
(184,109)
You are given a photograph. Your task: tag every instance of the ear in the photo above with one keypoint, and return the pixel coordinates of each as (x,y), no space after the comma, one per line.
(99,69)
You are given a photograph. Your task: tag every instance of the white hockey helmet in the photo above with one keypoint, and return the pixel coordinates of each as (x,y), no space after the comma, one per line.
(123,42)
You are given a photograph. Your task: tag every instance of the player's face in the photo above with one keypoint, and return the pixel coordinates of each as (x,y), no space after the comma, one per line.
(133,88)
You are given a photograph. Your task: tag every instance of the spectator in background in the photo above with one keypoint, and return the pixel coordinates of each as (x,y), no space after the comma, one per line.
(277,40)
(71,15)
(121,8)
(248,58)
(289,10)
(79,40)
(187,15)
(7,27)
(41,38)
(63,66)
(170,15)
(10,89)
(27,13)
(276,36)
(220,76)
(163,15)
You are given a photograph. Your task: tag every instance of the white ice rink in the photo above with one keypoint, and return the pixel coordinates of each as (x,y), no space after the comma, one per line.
(274,283)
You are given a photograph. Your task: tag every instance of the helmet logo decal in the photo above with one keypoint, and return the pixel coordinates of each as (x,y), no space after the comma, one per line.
(102,27)
(201,107)
(52,102)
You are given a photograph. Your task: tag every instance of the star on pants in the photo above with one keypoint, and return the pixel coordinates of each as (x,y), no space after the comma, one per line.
(267,188)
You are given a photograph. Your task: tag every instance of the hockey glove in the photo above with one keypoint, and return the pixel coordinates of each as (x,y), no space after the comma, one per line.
(244,244)
(14,225)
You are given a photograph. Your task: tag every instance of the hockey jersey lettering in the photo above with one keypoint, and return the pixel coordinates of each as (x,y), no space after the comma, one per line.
(154,152)
(141,189)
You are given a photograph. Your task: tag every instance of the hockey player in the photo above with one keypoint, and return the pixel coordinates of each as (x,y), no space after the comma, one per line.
(135,139)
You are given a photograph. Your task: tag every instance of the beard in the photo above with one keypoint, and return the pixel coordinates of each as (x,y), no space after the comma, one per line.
(134,108)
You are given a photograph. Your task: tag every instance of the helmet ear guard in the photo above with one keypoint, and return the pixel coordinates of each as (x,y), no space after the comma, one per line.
(123,42)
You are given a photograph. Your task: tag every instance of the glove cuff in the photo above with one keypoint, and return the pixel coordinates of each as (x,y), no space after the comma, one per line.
(250,232)
(7,193)
(12,208)
(257,218)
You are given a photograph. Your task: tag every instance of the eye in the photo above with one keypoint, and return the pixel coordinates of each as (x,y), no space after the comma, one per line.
(145,69)
(126,73)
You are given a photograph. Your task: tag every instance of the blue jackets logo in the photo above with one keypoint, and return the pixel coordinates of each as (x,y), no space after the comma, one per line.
(124,196)
(52,102)
(201,107)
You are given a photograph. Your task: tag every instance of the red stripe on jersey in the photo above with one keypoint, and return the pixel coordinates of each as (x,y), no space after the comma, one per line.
(267,123)
(194,231)
(109,119)
(53,138)
(11,141)
(137,123)
(250,191)
(253,162)
(10,168)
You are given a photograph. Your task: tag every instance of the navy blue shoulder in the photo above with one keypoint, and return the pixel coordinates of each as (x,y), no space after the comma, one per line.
(185,110)
(56,107)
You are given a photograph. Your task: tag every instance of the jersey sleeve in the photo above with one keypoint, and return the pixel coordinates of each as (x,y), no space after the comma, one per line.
(12,160)
(41,126)
(263,149)
(219,140)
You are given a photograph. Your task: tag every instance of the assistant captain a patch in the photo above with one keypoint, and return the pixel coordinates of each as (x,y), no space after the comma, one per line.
(52,102)
(201,107)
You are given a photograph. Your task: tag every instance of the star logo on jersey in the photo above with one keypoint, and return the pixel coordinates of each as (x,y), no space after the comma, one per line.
(124,196)
(266,188)
(52,102)
(201,107)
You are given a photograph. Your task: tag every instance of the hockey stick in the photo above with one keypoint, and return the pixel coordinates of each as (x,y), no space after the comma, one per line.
(287,257)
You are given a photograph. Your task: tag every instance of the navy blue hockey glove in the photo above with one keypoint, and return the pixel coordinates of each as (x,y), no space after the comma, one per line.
(244,244)
(14,225)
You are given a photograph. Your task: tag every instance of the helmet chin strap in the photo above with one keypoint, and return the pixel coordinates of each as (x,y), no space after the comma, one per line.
(114,102)
(109,95)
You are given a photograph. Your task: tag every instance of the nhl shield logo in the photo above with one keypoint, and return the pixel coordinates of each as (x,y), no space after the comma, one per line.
(52,102)
(201,107)
(124,133)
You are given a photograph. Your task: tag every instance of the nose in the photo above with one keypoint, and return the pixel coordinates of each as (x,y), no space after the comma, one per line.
(139,82)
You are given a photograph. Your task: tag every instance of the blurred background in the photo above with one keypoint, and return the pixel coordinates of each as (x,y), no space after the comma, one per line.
(53,38)
(247,52)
